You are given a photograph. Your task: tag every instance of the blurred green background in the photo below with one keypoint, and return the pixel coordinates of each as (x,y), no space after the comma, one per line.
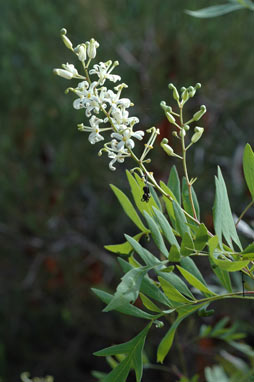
(57,210)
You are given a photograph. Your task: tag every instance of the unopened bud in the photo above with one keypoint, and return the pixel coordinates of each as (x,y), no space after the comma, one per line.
(170,117)
(198,134)
(191,91)
(80,51)
(185,95)
(175,92)
(182,133)
(67,42)
(168,149)
(199,113)
(174,133)
(92,45)
(63,73)
(165,107)
(186,127)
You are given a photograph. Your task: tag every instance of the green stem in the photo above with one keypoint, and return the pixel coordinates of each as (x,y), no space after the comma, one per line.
(244,212)
(185,163)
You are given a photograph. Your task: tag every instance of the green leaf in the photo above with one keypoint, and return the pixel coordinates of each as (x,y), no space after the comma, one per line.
(223,221)
(134,350)
(214,11)
(201,238)
(248,168)
(149,304)
(148,286)
(174,184)
(224,264)
(124,248)
(187,246)
(174,254)
(223,276)
(171,292)
(188,264)
(168,202)
(137,193)
(128,208)
(231,266)
(186,199)
(181,222)
(155,197)
(195,282)
(128,309)
(167,341)
(178,283)
(248,252)
(156,235)
(148,258)
(166,228)
(128,289)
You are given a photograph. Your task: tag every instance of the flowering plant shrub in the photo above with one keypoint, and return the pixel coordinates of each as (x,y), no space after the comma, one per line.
(167,281)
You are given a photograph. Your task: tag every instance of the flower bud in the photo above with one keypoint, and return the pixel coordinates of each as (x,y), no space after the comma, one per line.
(199,113)
(186,127)
(185,95)
(67,42)
(63,73)
(80,51)
(168,149)
(182,133)
(165,107)
(92,45)
(170,117)
(191,91)
(175,92)
(198,134)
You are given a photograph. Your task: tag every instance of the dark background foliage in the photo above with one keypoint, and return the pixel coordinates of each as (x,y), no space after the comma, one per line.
(57,210)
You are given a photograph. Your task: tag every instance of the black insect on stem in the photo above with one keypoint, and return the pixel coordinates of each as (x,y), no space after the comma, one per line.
(146,192)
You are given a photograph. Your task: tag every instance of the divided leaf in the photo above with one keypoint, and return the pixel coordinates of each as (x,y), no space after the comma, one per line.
(214,11)
(223,220)
(181,222)
(128,208)
(137,193)
(133,349)
(166,228)
(128,289)
(156,235)
(174,184)
(195,282)
(248,168)
(130,310)
(124,248)
(167,341)
(148,258)
(171,292)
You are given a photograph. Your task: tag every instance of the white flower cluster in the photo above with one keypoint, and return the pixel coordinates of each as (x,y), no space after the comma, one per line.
(102,106)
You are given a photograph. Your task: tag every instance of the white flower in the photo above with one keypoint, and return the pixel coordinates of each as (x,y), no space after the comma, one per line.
(88,99)
(63,73)
(70,68)
(92,45)
(116,154)
(103,70)
(125,138)
(94,130)
(113,99)
(80,51)
(68,72)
